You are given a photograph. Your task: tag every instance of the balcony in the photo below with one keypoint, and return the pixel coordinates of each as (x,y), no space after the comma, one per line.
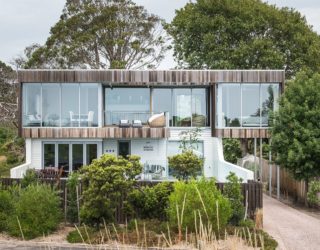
(118,125)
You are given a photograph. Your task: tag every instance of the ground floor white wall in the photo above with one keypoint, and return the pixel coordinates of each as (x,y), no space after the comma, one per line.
(151,151)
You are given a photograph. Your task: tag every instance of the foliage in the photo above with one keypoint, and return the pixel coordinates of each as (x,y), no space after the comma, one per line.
(72,206)
(150,202)
(185,165)
(196,198)
(107,180)
(30,177)
(101,34)
(296,132)
(8,95)
(11,150)
(246,34)
(248,223)
(312,195)
(87,234)
(233,191)
(6,208)
(37,210)
(231,150)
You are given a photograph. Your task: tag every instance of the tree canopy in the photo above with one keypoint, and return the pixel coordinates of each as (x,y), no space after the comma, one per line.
(296,130)
(244,34)
(8,94)
(100,34)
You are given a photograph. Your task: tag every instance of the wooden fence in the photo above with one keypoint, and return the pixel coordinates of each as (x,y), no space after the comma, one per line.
(289,187)
(252,193)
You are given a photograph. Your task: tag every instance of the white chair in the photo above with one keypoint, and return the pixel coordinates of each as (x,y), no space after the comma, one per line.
(72,118)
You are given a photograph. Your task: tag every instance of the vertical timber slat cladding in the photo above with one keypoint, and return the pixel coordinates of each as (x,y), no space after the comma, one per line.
(153,77)
(241,133)
(105,132)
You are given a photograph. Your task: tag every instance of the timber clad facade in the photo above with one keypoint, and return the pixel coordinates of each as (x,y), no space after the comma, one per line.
(70,117)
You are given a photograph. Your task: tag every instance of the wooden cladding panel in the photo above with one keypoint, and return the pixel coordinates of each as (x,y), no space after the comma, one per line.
(106,132)
(241,133)
(152,77)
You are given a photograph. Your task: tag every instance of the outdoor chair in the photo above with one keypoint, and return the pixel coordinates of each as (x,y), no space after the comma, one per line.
(158,120)
(124,124)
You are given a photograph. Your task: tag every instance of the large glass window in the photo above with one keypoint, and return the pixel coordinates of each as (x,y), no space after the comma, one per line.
(162,101)
(228,105)
(77,156)
(63,157)
(55,105)
(70,105)
(250,105)
(245,105)
(88,105)
(49,153)
(51,105)
(127,103)
(31,105)
(181,107)
(199,108)
(91,153)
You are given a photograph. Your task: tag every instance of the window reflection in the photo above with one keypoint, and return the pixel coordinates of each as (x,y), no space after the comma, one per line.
(32,105)
(70,105)
(250,105)
(181,107)
(51,105)
(49,155)
(199,107)
(162,101)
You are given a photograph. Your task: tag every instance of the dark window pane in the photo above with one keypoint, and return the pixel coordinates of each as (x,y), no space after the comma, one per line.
(88,105)
(63,157)
(91,153)
(49,155)
(199,107)
(251,105)
(228,110)
(77,156)
(269,98)
(70,105)
(181,107)
(51,105)
(31,105)
(162,102)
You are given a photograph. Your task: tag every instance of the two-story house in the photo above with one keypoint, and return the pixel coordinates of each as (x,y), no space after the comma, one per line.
(70,117)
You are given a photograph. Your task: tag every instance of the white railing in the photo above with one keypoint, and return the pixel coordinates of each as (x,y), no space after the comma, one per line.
(19,171)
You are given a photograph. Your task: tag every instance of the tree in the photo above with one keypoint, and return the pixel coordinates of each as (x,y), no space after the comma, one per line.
(231,149)
(101,34)
(296,131)
(243,34)
(8,95)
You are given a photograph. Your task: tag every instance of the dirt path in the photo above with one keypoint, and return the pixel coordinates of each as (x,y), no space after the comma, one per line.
(293,229)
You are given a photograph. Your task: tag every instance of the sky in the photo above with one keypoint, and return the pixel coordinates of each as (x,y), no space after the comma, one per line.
(23,22)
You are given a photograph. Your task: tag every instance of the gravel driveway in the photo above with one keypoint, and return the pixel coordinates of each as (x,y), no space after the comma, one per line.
(292,228)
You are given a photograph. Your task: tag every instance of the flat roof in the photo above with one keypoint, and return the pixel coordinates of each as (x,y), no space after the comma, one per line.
(150,77)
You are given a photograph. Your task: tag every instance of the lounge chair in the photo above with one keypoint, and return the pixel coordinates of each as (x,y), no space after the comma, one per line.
(124,124)
(158,120)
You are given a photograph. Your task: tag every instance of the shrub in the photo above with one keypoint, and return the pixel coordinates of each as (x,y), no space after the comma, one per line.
(37,209)
(107,180)
(30,177)
(231,150)
(72,206)
(6,208)
(202,198)
(185,165)
(312,195)
(233,191)
(151,202)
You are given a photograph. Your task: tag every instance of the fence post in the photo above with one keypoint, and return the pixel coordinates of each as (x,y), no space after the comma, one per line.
(270,169)
(65,204)
(278,182)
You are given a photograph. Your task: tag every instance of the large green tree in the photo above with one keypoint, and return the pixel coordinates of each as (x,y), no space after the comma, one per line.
(244,34)
(8,95)
(296,128)
(100,34)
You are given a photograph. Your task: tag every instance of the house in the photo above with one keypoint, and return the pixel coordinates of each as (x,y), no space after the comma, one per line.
(70,117)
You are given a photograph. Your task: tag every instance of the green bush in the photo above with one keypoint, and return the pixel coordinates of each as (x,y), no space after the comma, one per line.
(72,206)
(6,208)
(312,195)
(202,198)
(231,150)
(75,237)
(151,202)
(30,177)
(107,180)
(185,165)
(233,191)
(37,210)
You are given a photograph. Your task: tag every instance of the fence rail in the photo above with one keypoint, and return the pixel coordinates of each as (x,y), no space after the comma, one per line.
(251,191)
